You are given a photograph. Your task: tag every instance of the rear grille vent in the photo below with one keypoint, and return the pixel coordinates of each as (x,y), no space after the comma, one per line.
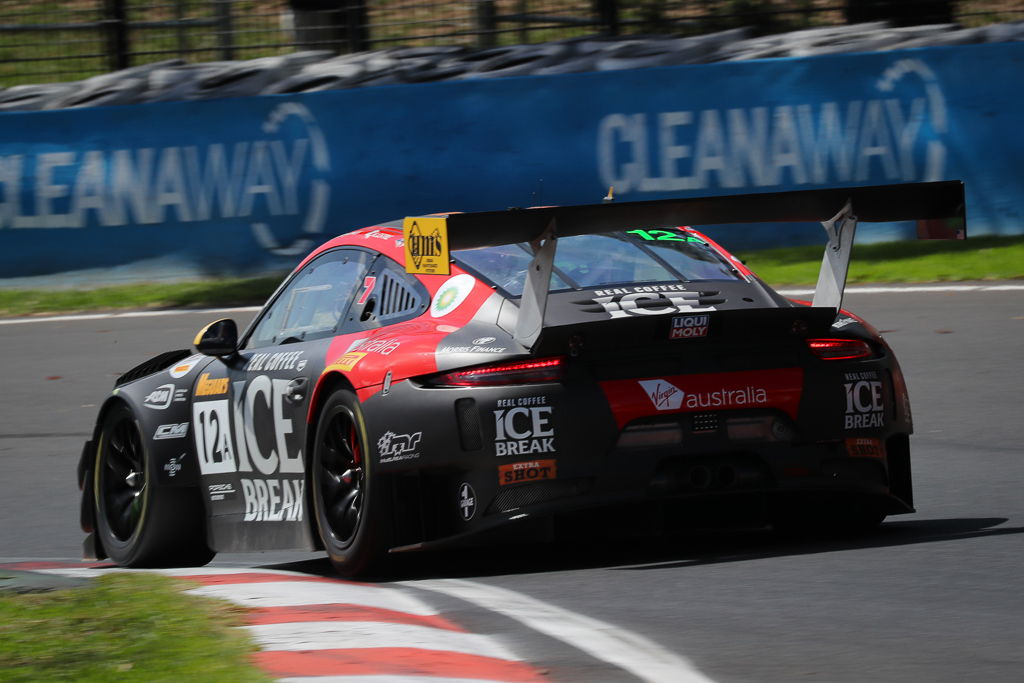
(539,492)
(396,299)
(704,422)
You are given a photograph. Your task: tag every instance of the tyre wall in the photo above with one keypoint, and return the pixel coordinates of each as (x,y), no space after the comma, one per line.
(250,184)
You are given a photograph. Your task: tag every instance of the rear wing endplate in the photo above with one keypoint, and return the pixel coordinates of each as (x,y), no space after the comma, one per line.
(937,207)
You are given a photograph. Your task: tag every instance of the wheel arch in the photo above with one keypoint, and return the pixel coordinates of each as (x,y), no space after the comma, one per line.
(93,546)
(328,383)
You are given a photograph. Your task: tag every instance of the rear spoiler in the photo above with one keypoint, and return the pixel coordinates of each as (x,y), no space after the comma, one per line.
(937,207)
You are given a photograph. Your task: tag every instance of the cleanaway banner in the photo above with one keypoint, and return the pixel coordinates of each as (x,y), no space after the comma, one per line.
(251,184)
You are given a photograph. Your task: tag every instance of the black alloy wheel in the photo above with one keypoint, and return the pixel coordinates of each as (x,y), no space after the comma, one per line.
(122,479)
(341,477)
(138,522)
(352,528)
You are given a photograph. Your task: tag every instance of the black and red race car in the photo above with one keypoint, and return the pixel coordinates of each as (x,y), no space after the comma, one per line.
(425,383)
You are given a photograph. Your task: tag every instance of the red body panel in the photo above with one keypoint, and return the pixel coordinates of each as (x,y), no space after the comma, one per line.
(634,398)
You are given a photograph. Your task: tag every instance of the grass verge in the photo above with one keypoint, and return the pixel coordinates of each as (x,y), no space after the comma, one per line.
(138,627)
(202,294)
(980,258)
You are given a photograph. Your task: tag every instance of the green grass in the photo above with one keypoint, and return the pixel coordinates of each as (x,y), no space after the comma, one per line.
(978,258)
(129,628)
(206,293)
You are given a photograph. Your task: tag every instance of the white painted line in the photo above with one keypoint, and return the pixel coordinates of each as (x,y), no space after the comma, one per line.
(127,314)
(85,572)
(332,635)
(182,571)
(911,289)
(381,679)
(227,571)
(294,593)
(627,650)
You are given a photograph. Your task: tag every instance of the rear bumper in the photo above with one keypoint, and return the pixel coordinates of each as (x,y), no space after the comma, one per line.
(752,483)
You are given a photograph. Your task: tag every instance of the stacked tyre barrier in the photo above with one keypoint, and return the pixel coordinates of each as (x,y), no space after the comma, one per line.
(311,71)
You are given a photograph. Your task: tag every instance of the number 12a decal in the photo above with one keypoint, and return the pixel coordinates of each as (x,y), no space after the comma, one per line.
(213,442)
(662,236)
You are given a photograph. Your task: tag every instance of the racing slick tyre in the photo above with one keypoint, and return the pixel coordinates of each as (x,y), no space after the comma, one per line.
(348,503)
(139,523)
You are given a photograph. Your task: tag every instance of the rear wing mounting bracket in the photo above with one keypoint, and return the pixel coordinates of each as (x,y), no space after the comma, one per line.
(835,262)
(535,290)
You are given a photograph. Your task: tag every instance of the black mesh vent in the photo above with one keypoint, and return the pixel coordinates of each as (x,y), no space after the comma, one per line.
(704,422)
(396,298)
(523,495)
(469,424)
(152,365)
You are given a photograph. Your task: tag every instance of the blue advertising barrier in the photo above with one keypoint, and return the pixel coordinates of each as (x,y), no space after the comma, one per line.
(252,184)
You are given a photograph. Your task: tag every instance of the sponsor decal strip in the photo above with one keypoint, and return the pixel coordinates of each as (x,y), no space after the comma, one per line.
(777,388)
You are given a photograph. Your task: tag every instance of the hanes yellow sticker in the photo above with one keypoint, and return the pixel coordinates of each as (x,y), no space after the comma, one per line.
(426,245)
(347,362)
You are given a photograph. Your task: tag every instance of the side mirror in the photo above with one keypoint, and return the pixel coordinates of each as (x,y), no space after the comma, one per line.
(219,338)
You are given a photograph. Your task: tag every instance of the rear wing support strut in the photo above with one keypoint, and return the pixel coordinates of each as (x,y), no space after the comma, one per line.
(835,262)
(535,290)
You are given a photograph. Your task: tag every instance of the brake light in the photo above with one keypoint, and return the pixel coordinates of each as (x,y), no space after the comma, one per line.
(839,349)
(517,372)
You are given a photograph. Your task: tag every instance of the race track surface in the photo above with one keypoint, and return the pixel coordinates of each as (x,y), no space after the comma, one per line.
(937,595)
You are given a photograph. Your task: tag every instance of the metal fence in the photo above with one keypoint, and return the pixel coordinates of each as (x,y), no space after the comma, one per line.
(43,41)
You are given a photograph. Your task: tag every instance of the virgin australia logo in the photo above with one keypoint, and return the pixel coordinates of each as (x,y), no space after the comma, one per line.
(664,395)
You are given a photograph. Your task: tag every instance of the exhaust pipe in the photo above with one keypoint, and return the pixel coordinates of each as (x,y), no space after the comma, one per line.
(700,477)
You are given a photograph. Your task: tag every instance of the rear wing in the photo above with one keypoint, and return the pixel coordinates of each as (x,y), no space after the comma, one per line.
(937,207)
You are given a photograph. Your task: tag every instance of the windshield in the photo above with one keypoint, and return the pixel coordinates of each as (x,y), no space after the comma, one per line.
(590,261)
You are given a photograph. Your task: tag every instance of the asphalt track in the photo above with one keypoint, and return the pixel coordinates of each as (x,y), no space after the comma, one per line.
(937,596)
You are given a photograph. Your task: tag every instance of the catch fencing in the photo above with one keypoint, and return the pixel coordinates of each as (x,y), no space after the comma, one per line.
(61,41)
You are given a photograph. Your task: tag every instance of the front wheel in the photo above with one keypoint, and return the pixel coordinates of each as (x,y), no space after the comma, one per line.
(139,523)
(348,506)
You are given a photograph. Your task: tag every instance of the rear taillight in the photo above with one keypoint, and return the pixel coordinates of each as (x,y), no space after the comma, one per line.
(840,349)
(516,372)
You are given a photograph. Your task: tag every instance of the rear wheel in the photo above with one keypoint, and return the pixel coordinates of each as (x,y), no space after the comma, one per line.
(348,507)
(139,523)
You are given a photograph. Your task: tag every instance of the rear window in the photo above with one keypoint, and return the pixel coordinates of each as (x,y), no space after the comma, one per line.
(592,261)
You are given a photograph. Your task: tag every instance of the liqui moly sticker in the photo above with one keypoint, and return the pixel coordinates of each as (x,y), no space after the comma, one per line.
(689,326)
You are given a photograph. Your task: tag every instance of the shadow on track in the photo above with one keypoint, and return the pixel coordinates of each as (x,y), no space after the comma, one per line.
(693,548)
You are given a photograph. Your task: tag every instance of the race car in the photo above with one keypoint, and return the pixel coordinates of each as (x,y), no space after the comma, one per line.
(443,379)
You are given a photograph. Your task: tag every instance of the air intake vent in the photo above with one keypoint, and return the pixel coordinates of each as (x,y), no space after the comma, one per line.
(164,360)
(396,299)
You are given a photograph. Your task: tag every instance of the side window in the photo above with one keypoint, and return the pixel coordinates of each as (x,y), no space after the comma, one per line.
(314,303)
